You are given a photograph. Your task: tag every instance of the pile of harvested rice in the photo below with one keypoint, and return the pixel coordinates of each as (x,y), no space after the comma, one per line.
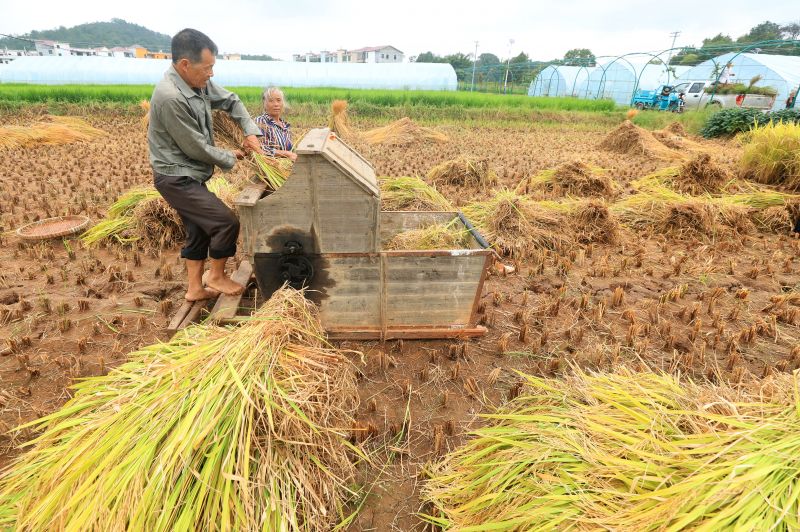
(217,429)
(411,194)
(686,218)
(142,217)
(436,236)
(51,130)
(633,451)
(593,222)
(156,225)
(570,179)
(402,132)
(773,220)
(517,226)
(701,175)
(630,139)
(464,172)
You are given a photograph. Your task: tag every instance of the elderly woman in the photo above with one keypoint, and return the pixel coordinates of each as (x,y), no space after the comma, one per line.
(277,139)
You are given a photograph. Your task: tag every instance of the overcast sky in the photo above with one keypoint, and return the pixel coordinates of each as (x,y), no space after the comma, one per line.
(542,29)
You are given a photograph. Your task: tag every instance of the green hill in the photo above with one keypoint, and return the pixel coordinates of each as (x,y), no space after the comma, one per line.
(117,32)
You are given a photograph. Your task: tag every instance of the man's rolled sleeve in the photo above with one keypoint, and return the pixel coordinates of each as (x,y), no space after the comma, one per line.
(182,127)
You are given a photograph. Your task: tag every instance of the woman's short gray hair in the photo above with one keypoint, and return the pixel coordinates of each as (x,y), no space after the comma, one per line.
(269,91)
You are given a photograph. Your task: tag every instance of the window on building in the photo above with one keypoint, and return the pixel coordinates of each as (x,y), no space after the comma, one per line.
(395,56)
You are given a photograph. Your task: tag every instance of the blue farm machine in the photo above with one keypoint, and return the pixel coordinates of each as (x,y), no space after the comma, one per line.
(664,98)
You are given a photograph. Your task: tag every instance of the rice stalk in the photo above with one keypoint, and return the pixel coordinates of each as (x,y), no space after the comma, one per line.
(570,179)
(452,235)
(464,172)
(515,225)
(272,171)
(772,155)
(411,194)
(627,452)
(51,131)
(226,130)
(339,122)
(217,429)
(401,132)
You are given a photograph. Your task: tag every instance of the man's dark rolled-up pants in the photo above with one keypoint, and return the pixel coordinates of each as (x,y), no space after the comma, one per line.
(211,227)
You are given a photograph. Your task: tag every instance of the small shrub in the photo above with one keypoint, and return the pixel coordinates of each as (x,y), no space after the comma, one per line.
(729,122)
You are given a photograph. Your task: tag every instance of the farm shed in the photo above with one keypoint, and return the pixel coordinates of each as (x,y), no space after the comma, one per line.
(781,72)
(559,80)
(617,79)
(130,71)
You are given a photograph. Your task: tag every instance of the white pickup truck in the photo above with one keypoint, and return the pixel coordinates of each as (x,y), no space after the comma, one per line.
(699,94)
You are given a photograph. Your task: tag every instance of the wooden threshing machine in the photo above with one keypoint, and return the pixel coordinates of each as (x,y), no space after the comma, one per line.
(323,229)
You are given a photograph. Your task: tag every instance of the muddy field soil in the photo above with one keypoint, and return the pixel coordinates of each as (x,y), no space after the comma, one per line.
(722,308)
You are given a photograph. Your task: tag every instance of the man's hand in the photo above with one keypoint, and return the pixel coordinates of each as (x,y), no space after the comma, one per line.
(239,154)
(251,144)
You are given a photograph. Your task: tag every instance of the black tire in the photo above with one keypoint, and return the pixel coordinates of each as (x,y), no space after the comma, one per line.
(714,104)
(639,106)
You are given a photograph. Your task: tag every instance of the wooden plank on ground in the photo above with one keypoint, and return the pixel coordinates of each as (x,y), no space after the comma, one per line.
(179,320)
(226,306)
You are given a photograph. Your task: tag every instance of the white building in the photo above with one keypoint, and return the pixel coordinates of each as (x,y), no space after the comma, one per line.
(52,48)
(373,54)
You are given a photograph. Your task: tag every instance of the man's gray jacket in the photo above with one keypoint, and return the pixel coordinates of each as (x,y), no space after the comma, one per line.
(180,134)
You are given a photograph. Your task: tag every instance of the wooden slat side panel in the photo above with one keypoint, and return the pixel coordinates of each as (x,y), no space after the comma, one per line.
(432,291)
(348,291)
(347,217)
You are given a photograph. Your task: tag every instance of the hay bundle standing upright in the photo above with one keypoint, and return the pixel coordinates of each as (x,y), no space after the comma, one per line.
(183,156)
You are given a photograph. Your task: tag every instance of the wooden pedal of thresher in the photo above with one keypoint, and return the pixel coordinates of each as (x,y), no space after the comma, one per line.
(226,306)
(188,312)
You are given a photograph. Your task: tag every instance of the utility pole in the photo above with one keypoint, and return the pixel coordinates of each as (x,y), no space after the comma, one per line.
(508,64)
(674,36)
(474,63)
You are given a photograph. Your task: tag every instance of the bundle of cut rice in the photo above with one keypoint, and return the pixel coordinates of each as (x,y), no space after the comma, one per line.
(218,429)
(632,451)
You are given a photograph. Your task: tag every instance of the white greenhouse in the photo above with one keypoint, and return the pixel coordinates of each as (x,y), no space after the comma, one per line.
(129,71)
(618,79)
(559,80)
(614,79)
(781,72)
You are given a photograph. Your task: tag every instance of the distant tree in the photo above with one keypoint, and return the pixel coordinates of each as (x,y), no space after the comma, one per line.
(690,59)
(428,57)
(521,58)
(580,56)
(791,31)
(766,31)
(458,60)
(487,59)
(718,40)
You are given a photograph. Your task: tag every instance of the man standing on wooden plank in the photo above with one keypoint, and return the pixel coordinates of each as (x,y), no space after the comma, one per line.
(183,156)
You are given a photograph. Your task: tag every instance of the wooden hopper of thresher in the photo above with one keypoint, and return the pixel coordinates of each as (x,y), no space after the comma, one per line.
(323,229)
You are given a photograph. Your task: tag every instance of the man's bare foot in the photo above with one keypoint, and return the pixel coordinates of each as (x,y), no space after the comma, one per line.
(225,285)
(201,295)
